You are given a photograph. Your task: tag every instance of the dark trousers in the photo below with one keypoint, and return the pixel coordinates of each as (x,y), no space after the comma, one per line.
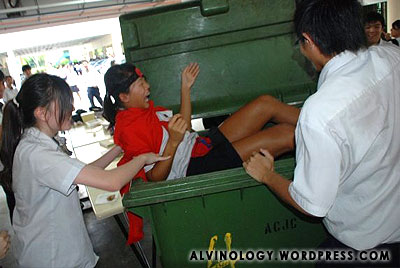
(94,92)
(332,243)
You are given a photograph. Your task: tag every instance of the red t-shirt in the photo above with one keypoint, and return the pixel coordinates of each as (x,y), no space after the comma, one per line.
(139,131)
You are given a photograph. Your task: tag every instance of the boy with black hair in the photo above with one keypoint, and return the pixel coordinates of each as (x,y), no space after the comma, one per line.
(374,25)
(26,72)
(395,31)
(347,145)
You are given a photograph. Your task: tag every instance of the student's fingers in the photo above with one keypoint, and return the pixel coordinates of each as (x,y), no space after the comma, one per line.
(195,73)
(151,158)
(3,234)
(193,67)
(194,70)
(188,68)
(245,164)
(177,124)
(185,71)
(255,168)
(267,154)
(173,120)
(162,158)
(181,125)
(4,243)
(269,158)
(176,117)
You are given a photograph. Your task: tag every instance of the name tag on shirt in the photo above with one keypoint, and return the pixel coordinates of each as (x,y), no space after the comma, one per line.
(164,115)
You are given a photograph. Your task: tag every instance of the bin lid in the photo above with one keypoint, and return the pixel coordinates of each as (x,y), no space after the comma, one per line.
(244,48)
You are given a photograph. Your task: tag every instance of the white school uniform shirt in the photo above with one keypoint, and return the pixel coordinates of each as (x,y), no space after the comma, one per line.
(47,220)
(348,148)
(386,43)
(9,94)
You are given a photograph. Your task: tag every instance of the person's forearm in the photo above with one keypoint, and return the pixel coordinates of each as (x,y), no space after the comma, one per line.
(186,107)
(280,186)
(107,158)
(110,180)
(161,170)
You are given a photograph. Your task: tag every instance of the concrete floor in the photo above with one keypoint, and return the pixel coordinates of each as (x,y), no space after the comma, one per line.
(107,237)
(109,243)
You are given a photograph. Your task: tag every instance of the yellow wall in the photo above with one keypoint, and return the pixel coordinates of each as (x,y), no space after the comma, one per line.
(393,8)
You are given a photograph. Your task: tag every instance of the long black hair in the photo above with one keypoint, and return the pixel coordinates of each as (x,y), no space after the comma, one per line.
(334,25)
(118,79)
(39,90)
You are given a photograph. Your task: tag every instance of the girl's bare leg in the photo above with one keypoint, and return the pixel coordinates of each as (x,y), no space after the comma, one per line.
(277,140)
(250,119)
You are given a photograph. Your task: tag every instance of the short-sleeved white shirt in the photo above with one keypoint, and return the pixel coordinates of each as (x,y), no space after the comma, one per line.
(47,220)
(9,94)
(348,148)
(386,43)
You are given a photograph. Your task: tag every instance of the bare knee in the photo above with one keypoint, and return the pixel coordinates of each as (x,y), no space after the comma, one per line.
(265,100)
(264,105)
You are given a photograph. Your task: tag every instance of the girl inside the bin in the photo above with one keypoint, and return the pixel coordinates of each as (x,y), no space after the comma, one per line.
(142,127)
(47,219)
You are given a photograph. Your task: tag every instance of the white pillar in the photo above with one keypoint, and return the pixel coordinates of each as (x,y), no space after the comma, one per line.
(116,44)
(393,12)
(14,67)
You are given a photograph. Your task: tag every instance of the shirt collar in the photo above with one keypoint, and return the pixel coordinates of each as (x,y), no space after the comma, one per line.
(39,137)
(334,64)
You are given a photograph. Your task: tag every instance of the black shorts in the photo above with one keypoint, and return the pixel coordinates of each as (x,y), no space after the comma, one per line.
(221,156)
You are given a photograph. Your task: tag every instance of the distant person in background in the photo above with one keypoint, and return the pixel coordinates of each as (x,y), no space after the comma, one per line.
(72,80)
(373,25)
(6,231)
(77,69)
(395,31)
(26,72)
(92,78)
(11,90)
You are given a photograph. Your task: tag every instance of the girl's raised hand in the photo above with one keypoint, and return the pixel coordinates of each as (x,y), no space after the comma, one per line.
(151,158)
(189,75)
(177,127)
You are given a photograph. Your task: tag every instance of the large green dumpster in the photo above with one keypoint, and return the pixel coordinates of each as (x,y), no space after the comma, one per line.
(244,49)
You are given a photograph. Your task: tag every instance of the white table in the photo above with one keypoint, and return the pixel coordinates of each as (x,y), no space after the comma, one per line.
(86,146)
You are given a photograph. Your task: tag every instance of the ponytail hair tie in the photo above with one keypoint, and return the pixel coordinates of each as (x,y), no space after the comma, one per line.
(138,72)
(112,99)
(15,102)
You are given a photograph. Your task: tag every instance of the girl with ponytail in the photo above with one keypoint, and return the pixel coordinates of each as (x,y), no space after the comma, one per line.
(47,217)
(141,127)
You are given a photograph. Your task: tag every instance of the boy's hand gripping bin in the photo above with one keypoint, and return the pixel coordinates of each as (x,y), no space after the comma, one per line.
(244,49)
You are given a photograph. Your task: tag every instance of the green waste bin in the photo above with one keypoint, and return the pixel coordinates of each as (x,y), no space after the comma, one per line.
(244,49)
